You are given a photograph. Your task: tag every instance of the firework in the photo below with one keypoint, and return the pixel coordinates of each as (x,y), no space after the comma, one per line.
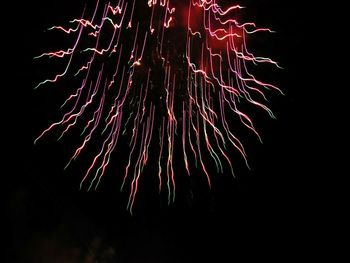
(164,77)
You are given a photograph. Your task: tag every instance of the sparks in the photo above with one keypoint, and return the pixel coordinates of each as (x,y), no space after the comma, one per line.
(165,77)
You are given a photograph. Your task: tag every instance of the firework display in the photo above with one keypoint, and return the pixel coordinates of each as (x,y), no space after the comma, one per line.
(160,81)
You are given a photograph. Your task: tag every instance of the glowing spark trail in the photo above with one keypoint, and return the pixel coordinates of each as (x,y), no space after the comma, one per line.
(164,77)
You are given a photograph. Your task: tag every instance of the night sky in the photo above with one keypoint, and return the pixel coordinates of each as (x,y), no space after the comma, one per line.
(264,213)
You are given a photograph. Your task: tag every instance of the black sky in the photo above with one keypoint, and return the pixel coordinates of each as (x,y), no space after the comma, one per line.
(265,213)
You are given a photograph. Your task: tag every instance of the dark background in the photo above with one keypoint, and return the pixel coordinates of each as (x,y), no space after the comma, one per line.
(266,213)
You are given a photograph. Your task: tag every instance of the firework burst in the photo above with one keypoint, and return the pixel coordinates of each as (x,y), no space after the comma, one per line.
(163,77)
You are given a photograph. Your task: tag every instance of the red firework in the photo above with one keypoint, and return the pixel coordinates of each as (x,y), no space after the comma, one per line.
(163,76)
